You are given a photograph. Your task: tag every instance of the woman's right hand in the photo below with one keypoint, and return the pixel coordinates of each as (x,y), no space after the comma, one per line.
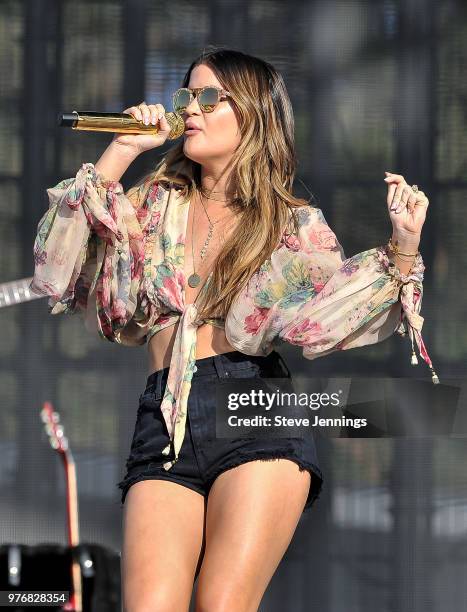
(138,143)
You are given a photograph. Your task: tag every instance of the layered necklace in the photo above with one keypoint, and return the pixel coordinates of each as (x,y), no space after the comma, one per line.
(194,279)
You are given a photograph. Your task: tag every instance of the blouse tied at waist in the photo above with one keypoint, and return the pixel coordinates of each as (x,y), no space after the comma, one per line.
(182,366)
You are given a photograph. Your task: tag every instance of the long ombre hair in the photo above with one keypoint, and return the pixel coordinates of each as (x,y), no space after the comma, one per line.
(262,167)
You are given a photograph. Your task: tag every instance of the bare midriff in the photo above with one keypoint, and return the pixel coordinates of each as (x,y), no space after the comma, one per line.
(211,340)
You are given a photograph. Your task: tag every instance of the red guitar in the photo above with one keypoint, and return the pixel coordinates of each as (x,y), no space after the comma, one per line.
(59,442)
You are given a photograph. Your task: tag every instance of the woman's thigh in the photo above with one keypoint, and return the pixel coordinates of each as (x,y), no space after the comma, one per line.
(252,513)
(163,526)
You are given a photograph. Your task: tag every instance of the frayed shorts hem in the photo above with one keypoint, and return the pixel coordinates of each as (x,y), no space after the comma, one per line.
(315,472)
(161,474)
(156,476)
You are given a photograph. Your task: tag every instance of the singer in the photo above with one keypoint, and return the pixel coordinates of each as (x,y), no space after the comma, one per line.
(211,261)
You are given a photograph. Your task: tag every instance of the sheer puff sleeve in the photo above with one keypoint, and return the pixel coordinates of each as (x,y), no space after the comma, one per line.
(89,251)
(309,294)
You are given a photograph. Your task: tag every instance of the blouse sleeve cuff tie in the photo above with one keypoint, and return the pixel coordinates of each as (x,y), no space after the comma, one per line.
(411,292)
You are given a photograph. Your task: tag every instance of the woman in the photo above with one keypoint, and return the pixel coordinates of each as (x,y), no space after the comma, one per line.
(210,260)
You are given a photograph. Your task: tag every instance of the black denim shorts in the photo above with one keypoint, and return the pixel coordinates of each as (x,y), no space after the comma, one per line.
(203,456)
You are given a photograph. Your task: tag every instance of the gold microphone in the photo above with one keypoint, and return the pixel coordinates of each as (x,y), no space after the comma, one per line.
(118,122)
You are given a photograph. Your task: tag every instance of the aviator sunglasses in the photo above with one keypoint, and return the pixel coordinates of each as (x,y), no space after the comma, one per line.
(208,98)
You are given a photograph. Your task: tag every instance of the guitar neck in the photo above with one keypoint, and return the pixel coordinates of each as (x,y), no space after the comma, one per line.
(15,292)
(72,499)
(59,442)
(73,527)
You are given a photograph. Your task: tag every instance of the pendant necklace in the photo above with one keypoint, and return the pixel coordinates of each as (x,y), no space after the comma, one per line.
(194,279)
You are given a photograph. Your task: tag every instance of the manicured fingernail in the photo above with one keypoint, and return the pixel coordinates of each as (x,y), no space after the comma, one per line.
(387,178)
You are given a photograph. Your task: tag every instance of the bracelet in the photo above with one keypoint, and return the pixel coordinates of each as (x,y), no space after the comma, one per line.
(395,249)
(403,257)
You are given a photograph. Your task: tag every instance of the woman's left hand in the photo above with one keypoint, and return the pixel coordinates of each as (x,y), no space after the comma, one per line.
(410,206)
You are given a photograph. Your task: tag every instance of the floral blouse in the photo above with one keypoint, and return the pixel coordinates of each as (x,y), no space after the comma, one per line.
(118,260)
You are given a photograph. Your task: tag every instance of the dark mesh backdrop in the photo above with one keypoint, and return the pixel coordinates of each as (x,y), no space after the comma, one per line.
(375,86)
